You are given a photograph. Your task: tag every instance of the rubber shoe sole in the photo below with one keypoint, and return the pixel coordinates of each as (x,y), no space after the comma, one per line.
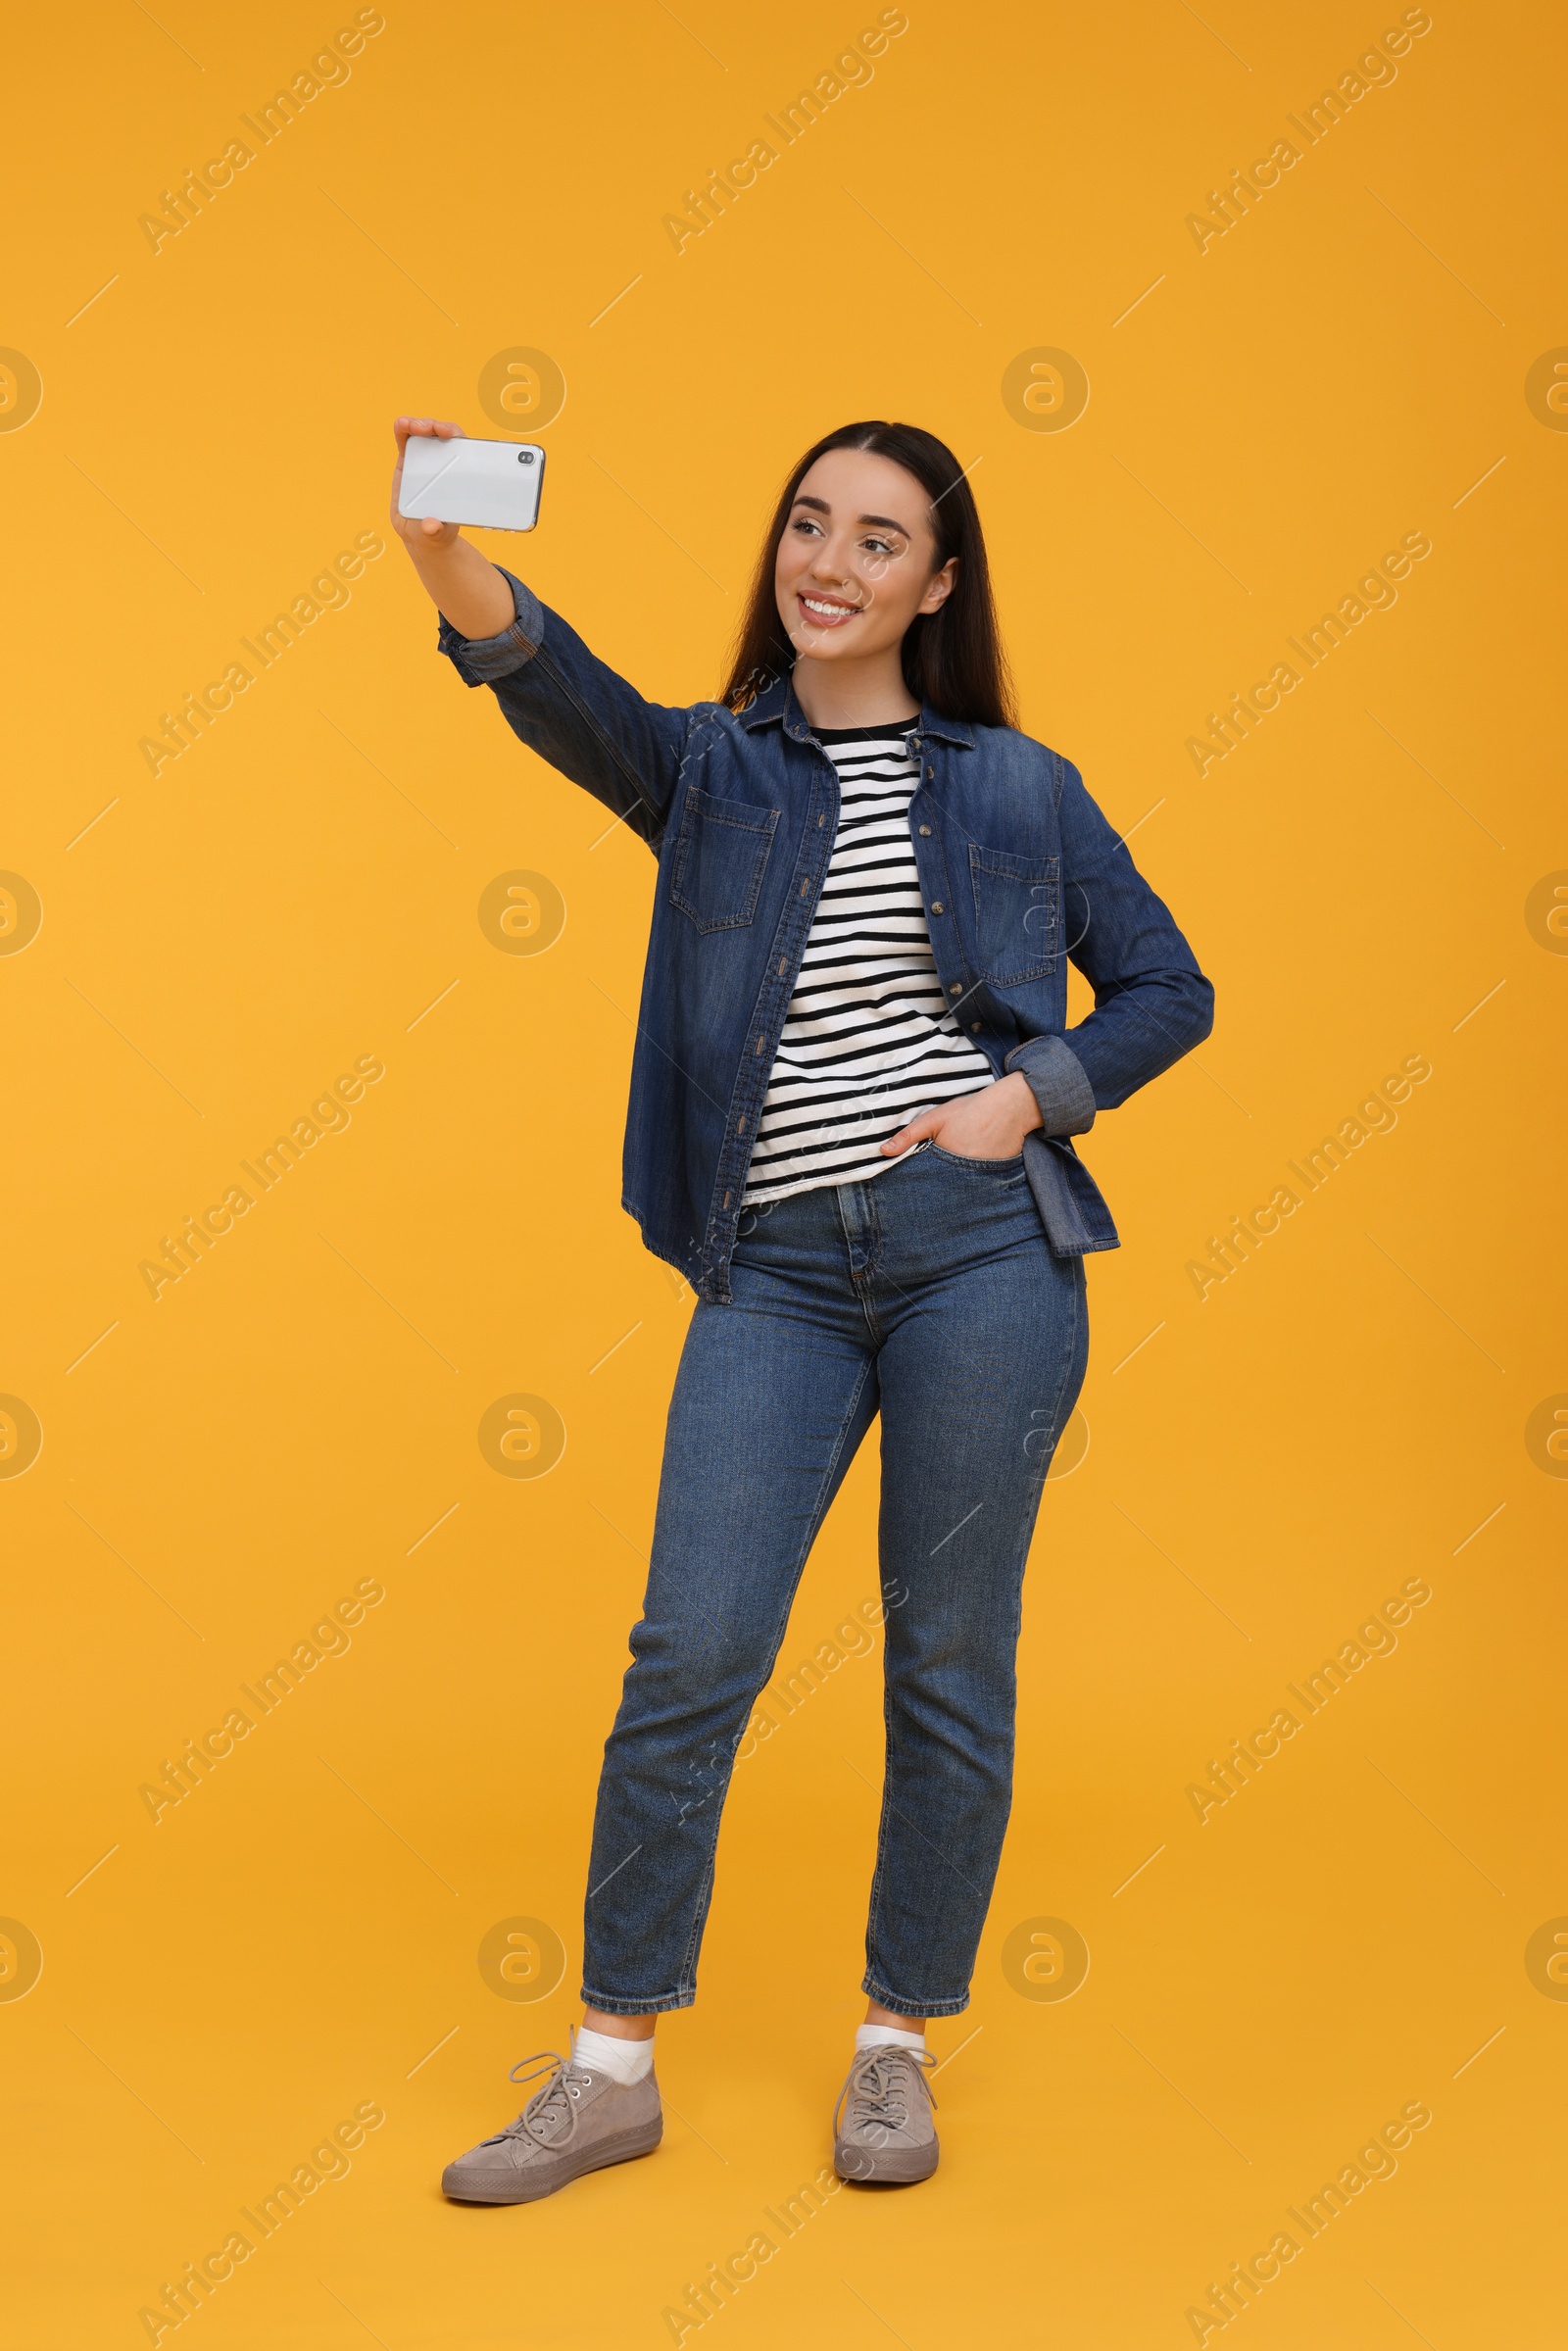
(884,2167)
(516,2187)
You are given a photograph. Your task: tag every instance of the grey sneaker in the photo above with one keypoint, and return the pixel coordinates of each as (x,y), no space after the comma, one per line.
(882,2127)
(577,2122)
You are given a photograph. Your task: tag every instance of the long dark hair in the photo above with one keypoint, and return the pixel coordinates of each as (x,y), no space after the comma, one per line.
(953,658)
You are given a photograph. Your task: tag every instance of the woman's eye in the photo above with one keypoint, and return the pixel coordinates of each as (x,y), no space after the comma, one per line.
(880,547)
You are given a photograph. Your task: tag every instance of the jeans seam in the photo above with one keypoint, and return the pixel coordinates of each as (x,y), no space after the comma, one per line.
(873,1986)
(891,1811)
(818,1512)
(884,1996)
(873,1902)
(661,2005)
(688,1963)
(1070,1357)
(860,1284)
(812,1527)
(962,1159)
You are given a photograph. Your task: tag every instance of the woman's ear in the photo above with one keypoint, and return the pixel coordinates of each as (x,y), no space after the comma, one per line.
(941,586)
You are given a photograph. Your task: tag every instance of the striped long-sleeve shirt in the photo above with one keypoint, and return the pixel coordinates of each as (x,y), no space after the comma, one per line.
(867,1042)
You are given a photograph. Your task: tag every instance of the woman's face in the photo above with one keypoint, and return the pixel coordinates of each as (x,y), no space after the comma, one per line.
(855,563)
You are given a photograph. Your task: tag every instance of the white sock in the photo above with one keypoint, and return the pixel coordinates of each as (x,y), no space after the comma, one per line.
(624,2061)
(866,2037)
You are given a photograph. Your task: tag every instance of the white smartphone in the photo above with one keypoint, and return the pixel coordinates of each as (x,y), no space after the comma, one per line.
(494,483)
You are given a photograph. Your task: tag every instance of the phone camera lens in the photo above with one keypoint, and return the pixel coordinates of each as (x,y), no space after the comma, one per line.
(526,457)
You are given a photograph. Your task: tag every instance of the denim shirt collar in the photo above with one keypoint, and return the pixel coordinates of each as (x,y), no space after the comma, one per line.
(776,705)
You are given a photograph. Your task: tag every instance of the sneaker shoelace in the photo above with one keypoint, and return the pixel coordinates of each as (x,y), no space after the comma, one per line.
(550,2114)
(878,2087)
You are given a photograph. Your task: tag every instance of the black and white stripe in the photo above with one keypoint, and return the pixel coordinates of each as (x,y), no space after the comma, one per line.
(868,1041)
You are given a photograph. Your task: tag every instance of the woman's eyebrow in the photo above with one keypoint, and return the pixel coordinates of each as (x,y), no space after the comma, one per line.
(888,523)
(820,505)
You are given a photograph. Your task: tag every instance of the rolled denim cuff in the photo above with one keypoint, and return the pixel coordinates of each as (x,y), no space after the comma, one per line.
(1059,1083)
(480,660)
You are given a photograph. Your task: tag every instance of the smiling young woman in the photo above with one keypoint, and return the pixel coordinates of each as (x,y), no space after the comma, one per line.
(850,1125)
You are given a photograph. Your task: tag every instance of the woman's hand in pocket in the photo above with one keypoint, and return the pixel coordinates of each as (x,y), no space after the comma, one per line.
(989,1125)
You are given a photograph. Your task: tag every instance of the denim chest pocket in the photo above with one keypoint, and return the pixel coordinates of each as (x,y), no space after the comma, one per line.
(1016,914)
(715,871)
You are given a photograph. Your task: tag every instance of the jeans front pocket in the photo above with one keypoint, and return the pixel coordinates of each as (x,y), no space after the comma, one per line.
(1015,915)
(717,866)
(1001,1167)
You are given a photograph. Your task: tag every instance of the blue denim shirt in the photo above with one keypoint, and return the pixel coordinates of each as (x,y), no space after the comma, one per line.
(1018,869)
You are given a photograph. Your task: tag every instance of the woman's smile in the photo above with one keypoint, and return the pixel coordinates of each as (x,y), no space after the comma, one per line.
(826,611)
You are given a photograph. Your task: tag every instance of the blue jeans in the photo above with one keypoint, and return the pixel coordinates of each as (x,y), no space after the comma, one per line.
(930,1294)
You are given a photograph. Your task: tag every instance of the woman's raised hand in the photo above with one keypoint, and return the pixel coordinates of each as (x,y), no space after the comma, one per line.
(426,530)
(467,588)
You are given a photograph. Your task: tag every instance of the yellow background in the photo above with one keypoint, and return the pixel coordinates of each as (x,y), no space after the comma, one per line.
(293,1416)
